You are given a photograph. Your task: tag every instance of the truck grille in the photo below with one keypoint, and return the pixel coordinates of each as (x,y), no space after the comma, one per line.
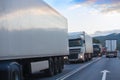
(74,53)
(73,56)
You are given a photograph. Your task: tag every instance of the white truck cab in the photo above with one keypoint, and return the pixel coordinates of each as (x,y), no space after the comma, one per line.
(80,47)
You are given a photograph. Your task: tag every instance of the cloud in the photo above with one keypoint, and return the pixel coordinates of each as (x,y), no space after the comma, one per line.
(105,6)
(75,7)
(110,8)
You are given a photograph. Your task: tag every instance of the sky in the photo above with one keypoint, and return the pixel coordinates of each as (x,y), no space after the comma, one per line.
(90,16)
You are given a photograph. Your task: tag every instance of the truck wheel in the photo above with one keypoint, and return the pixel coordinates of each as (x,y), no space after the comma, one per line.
(85,58)
(10,71)
(15,71)
(90,57)
(15,76)
(60,64)
(50,71)
(56,65)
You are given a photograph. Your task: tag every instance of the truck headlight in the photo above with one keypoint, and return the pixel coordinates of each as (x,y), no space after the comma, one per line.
(65,57)
(81,56)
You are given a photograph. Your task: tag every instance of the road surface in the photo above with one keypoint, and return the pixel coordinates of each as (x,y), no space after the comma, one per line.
(91,70)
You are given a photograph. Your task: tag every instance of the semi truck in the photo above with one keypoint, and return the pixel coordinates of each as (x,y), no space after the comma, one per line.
(97,50)
(111,48)
(33,38)
(80,47)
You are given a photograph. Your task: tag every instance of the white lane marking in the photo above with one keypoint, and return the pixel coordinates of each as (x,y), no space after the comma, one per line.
(104,74)
(76,70)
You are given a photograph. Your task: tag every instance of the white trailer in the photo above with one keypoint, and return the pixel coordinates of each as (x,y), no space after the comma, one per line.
(80,47)
(111,48)
(33,37)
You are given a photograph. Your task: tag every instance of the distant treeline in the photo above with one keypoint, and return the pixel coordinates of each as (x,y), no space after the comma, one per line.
(101,39)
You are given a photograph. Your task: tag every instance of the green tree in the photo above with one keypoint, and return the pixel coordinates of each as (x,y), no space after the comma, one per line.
(96,40)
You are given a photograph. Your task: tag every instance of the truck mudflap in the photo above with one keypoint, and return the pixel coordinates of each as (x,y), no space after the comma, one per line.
(10,71)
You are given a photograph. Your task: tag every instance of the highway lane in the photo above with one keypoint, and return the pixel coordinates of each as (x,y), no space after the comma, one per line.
(93,72)
(89,70)
(68,68)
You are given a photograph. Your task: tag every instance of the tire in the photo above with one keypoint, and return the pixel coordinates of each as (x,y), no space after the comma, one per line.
(10,71)
(50,71)
(15,76)
(15,71)
(60,64)
(56,66)
(91,56)
(85,58)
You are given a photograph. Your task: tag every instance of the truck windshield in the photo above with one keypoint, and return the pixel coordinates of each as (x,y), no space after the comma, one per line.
(76,42)
(95,46)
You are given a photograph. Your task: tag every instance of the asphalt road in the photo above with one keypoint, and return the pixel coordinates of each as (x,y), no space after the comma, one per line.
(89,71)
(93,72)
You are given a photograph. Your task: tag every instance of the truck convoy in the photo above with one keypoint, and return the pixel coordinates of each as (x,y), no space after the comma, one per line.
(111,48)
(80,47)
(97,50)
(33,37)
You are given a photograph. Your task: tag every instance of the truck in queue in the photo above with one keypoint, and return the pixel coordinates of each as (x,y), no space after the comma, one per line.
(33,38)
(111,48)
(97,50)
(80,47)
